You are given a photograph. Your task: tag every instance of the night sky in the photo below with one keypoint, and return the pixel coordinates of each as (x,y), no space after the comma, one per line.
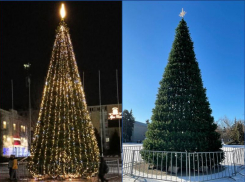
(27,34)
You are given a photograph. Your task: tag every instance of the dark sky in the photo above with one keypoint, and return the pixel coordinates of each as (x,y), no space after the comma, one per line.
(27,34)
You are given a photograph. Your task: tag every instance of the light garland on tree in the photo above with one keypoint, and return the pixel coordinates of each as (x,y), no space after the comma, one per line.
(64,143)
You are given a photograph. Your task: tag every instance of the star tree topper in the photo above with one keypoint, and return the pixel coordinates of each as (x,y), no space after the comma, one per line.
(182,13)
(62,11)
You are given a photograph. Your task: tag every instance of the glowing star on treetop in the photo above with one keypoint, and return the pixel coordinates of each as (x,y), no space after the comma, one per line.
(62,11)
(182,13)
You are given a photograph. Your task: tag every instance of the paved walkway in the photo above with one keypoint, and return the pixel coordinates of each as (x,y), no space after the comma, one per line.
(118,179)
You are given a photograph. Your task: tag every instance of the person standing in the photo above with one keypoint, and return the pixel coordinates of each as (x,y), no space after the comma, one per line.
(103,170)
(10,165)
(14,169)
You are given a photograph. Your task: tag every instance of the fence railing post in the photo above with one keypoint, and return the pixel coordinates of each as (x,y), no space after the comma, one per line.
(189,157)
(132,164)
(118,167)
(186,163)
(233,156)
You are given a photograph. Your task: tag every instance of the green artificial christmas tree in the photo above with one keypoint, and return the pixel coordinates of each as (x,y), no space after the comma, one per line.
(181,119)
(64,141)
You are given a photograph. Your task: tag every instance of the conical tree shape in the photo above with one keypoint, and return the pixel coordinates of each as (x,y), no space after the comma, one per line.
(64,141)
(181,119)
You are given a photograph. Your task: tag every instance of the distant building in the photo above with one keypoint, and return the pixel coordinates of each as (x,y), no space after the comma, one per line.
(34,118)
(14,133)
(139,131)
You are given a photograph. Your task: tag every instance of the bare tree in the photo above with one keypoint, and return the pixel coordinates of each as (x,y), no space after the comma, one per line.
(224,128)
(231,131)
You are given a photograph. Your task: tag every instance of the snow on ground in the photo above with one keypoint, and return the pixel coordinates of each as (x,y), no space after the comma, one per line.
(239,177)
(216,177)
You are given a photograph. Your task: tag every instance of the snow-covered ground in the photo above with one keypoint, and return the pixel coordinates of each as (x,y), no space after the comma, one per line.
(153,178)
(237,178)
(127,156)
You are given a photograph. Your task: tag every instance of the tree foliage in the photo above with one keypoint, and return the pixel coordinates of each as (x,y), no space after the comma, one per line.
(181,119)
(231,131)
(114,144)
(128,125)
(237,134)
(98,138)
(147,121)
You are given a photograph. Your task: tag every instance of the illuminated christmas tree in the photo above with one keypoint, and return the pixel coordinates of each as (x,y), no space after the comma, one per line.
(64,141)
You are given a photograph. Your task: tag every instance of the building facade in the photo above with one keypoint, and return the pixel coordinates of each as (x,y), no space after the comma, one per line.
(34,118)
(139,131)
(14,133)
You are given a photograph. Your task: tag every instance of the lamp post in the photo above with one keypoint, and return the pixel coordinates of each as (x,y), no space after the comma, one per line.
(27,68)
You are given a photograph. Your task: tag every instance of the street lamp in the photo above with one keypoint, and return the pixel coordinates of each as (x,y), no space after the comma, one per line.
(27,68)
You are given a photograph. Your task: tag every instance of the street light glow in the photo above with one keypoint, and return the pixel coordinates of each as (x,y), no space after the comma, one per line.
(26,66)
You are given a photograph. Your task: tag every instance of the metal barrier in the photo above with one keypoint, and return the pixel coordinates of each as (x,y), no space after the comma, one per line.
(238,160)
(214,168)
(134,147)
(157,164)
(24,174)
(114,169)
(183,166)
(228,149)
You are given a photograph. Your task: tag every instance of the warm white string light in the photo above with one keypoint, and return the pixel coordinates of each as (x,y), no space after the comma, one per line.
(64,133)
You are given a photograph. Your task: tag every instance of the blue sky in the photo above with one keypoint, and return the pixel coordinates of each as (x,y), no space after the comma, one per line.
(217,30)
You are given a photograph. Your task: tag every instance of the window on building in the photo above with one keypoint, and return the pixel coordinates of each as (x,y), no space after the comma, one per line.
(4,138)
(23,128)
(4,125)
(14,126)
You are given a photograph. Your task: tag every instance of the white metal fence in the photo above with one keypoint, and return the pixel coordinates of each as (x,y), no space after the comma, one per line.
(114,169)
(182,166)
